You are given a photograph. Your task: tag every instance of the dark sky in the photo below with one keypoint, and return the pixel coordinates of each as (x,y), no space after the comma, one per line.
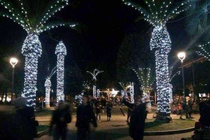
(106,22)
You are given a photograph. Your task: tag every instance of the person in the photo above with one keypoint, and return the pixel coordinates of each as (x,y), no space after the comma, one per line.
(137,120)
(204,120)
(98,110)
(86,120)
(24,120)
(181,107)
(109,110)
(60,118)
(129,111)
(190,105)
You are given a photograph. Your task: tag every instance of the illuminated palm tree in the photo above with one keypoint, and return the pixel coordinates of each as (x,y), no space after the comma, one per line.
(157,13)
(33,16)
(199,25)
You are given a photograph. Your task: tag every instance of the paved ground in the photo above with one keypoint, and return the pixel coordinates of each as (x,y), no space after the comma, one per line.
(117,129)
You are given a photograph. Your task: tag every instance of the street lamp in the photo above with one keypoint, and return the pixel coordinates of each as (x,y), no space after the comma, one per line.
(13,62)
(182,56)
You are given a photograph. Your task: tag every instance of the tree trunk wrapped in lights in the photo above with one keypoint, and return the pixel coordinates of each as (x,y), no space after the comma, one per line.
(47,91)
(60,52)
(32,50)
(33,22)
(157,13)
(161,44)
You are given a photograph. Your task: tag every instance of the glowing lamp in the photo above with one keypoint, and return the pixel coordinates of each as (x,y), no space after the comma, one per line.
(13,61)
(181,56)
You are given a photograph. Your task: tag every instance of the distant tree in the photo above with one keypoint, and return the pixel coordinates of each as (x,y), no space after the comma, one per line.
(73,80)
(133,53)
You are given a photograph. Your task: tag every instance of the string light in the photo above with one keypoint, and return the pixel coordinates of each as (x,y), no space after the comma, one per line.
(203,52)
(32,50)
(94,75)
(61,53)
(145,78)
(161,44)
(48,87)
(132,92)
(157,14)
(47,91)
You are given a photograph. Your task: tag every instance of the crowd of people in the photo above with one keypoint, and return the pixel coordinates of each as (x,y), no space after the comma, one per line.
(183,106)
(88,115)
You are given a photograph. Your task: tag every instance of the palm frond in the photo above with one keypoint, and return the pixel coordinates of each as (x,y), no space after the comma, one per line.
(178,7)
(204,50)
(199,21)
(34,15)
(51,9)
(143,9)
(17,15)
(158,12)
(49,26)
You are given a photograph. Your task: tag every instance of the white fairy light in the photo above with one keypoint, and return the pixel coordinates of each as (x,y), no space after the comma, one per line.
(203,52)
(94,75)
(61,53)
(48,87)
(32,50)
(144,77)
(161,44)
(47,92)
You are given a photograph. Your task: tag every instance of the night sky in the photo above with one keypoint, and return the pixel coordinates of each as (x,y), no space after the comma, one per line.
(96,45)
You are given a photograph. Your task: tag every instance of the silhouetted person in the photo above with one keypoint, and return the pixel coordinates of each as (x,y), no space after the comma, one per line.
(98,110)
(86,120)
(190,105)
(25,124)
(204,108)
(60,118)
(137,120)
(109,110)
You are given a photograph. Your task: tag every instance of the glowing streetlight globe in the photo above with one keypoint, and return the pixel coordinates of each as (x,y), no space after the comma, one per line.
(13,61)
(181,56)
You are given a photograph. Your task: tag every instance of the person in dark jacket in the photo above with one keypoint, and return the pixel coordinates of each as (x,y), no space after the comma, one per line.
(24,120)
(137,120)
(190,105)
(98,110)
(60,118)
(109,110)
(204,108)
(86,120)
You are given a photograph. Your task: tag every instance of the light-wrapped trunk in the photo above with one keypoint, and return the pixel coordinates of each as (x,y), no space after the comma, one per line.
(161,44)
(60,52)
(47,92)
(32,50)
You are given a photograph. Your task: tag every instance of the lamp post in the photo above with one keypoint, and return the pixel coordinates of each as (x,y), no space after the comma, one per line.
(182,56)
(13,62)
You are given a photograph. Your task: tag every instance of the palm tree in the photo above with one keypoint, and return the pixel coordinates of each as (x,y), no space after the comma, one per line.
(33,16)
(146,77)
(157,13)
(199,26)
